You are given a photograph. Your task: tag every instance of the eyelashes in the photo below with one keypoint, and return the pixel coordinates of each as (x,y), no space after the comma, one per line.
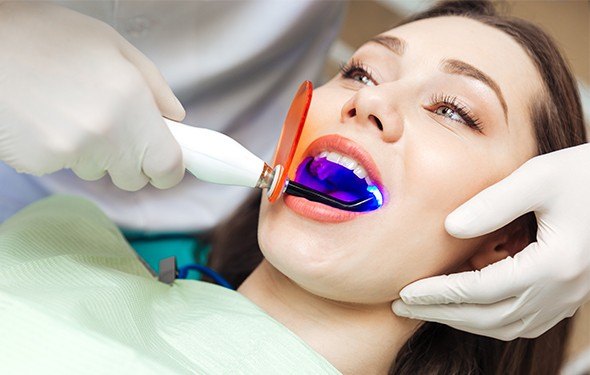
(447,106)
(357,71)
(440,103)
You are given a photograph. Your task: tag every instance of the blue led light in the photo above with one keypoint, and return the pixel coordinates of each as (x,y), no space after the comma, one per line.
(332,180)
(375,191)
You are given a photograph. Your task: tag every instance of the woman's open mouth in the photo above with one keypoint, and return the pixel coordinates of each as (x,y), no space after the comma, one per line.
(341,169)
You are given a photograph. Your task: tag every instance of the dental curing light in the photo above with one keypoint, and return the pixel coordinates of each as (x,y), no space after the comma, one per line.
(214,157)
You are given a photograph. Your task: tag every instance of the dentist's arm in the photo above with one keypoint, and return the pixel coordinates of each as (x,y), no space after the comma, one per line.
(75,94)
(546,282)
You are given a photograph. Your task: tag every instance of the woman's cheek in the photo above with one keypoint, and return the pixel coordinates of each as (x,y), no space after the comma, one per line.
(267,224)
(446,170)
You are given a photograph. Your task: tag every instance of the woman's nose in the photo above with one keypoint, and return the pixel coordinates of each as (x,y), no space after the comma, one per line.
(371,106)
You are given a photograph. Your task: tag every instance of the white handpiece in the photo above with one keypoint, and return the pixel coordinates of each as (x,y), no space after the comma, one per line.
(214,157)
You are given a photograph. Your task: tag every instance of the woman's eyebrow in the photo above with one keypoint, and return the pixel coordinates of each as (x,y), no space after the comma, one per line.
(394,44)
(452,66)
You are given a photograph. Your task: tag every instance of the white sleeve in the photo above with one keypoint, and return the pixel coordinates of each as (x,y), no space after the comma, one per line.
(235,66)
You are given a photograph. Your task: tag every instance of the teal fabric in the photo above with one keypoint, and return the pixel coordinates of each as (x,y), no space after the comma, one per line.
(153,247)
(75,299)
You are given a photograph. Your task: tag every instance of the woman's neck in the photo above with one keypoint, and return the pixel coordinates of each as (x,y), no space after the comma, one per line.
(354,338)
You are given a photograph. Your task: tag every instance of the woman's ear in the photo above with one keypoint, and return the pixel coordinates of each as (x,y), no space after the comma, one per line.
(504,242)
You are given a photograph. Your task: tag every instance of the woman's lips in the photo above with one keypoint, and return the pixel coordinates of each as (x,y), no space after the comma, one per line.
(318,211)
(323,213)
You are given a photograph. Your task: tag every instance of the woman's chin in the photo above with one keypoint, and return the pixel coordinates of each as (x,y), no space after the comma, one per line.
(322,257)
(326,274)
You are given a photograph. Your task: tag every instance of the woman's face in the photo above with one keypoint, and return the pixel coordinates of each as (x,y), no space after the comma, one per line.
(435,111)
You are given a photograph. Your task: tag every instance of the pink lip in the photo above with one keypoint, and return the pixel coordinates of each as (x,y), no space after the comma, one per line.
(317,211)
(345,146)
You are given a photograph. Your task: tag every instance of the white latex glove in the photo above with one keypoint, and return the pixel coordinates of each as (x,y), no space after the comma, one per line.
(546,282)
(75,94)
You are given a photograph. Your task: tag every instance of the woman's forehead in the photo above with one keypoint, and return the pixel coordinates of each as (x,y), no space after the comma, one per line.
(484,47)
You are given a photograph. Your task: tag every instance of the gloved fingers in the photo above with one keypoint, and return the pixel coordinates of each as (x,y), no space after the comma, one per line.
(36,166)
(89,163)
(165,99)
(494,283)
(498,320)
(476,316)
(127,173)
(499,204)
(518,328)
(162,162)
(89,171)
(507,332)
(542,327)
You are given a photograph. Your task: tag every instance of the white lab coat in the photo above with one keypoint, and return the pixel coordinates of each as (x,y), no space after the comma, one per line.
(234,65)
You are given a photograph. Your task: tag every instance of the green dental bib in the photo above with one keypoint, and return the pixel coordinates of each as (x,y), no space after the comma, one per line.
(75,299)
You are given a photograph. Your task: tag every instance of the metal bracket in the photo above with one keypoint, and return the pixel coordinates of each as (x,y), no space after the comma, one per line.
(168,270)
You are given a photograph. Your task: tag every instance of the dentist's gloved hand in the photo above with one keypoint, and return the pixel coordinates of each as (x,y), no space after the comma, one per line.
(75,94)
(546,282)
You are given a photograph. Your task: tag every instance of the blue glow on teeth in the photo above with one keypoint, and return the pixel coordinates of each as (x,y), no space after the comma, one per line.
(375,191)
(339,182)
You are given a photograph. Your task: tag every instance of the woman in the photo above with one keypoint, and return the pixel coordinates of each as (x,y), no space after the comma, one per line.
(439,131)
(430,117)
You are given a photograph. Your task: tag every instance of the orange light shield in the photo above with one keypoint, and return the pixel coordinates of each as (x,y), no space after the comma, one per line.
(290,135)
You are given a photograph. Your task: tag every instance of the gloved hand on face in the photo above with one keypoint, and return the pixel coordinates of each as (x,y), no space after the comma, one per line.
(80,96)
(528,294)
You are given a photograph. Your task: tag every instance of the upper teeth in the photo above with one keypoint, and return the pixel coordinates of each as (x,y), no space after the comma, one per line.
(345,161)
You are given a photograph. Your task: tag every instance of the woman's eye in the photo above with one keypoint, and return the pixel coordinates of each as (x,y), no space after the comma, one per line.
(449,113)
(358,72)
(363,78)
(450,107)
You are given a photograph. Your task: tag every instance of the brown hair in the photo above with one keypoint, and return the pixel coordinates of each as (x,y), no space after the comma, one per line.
(434,348)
